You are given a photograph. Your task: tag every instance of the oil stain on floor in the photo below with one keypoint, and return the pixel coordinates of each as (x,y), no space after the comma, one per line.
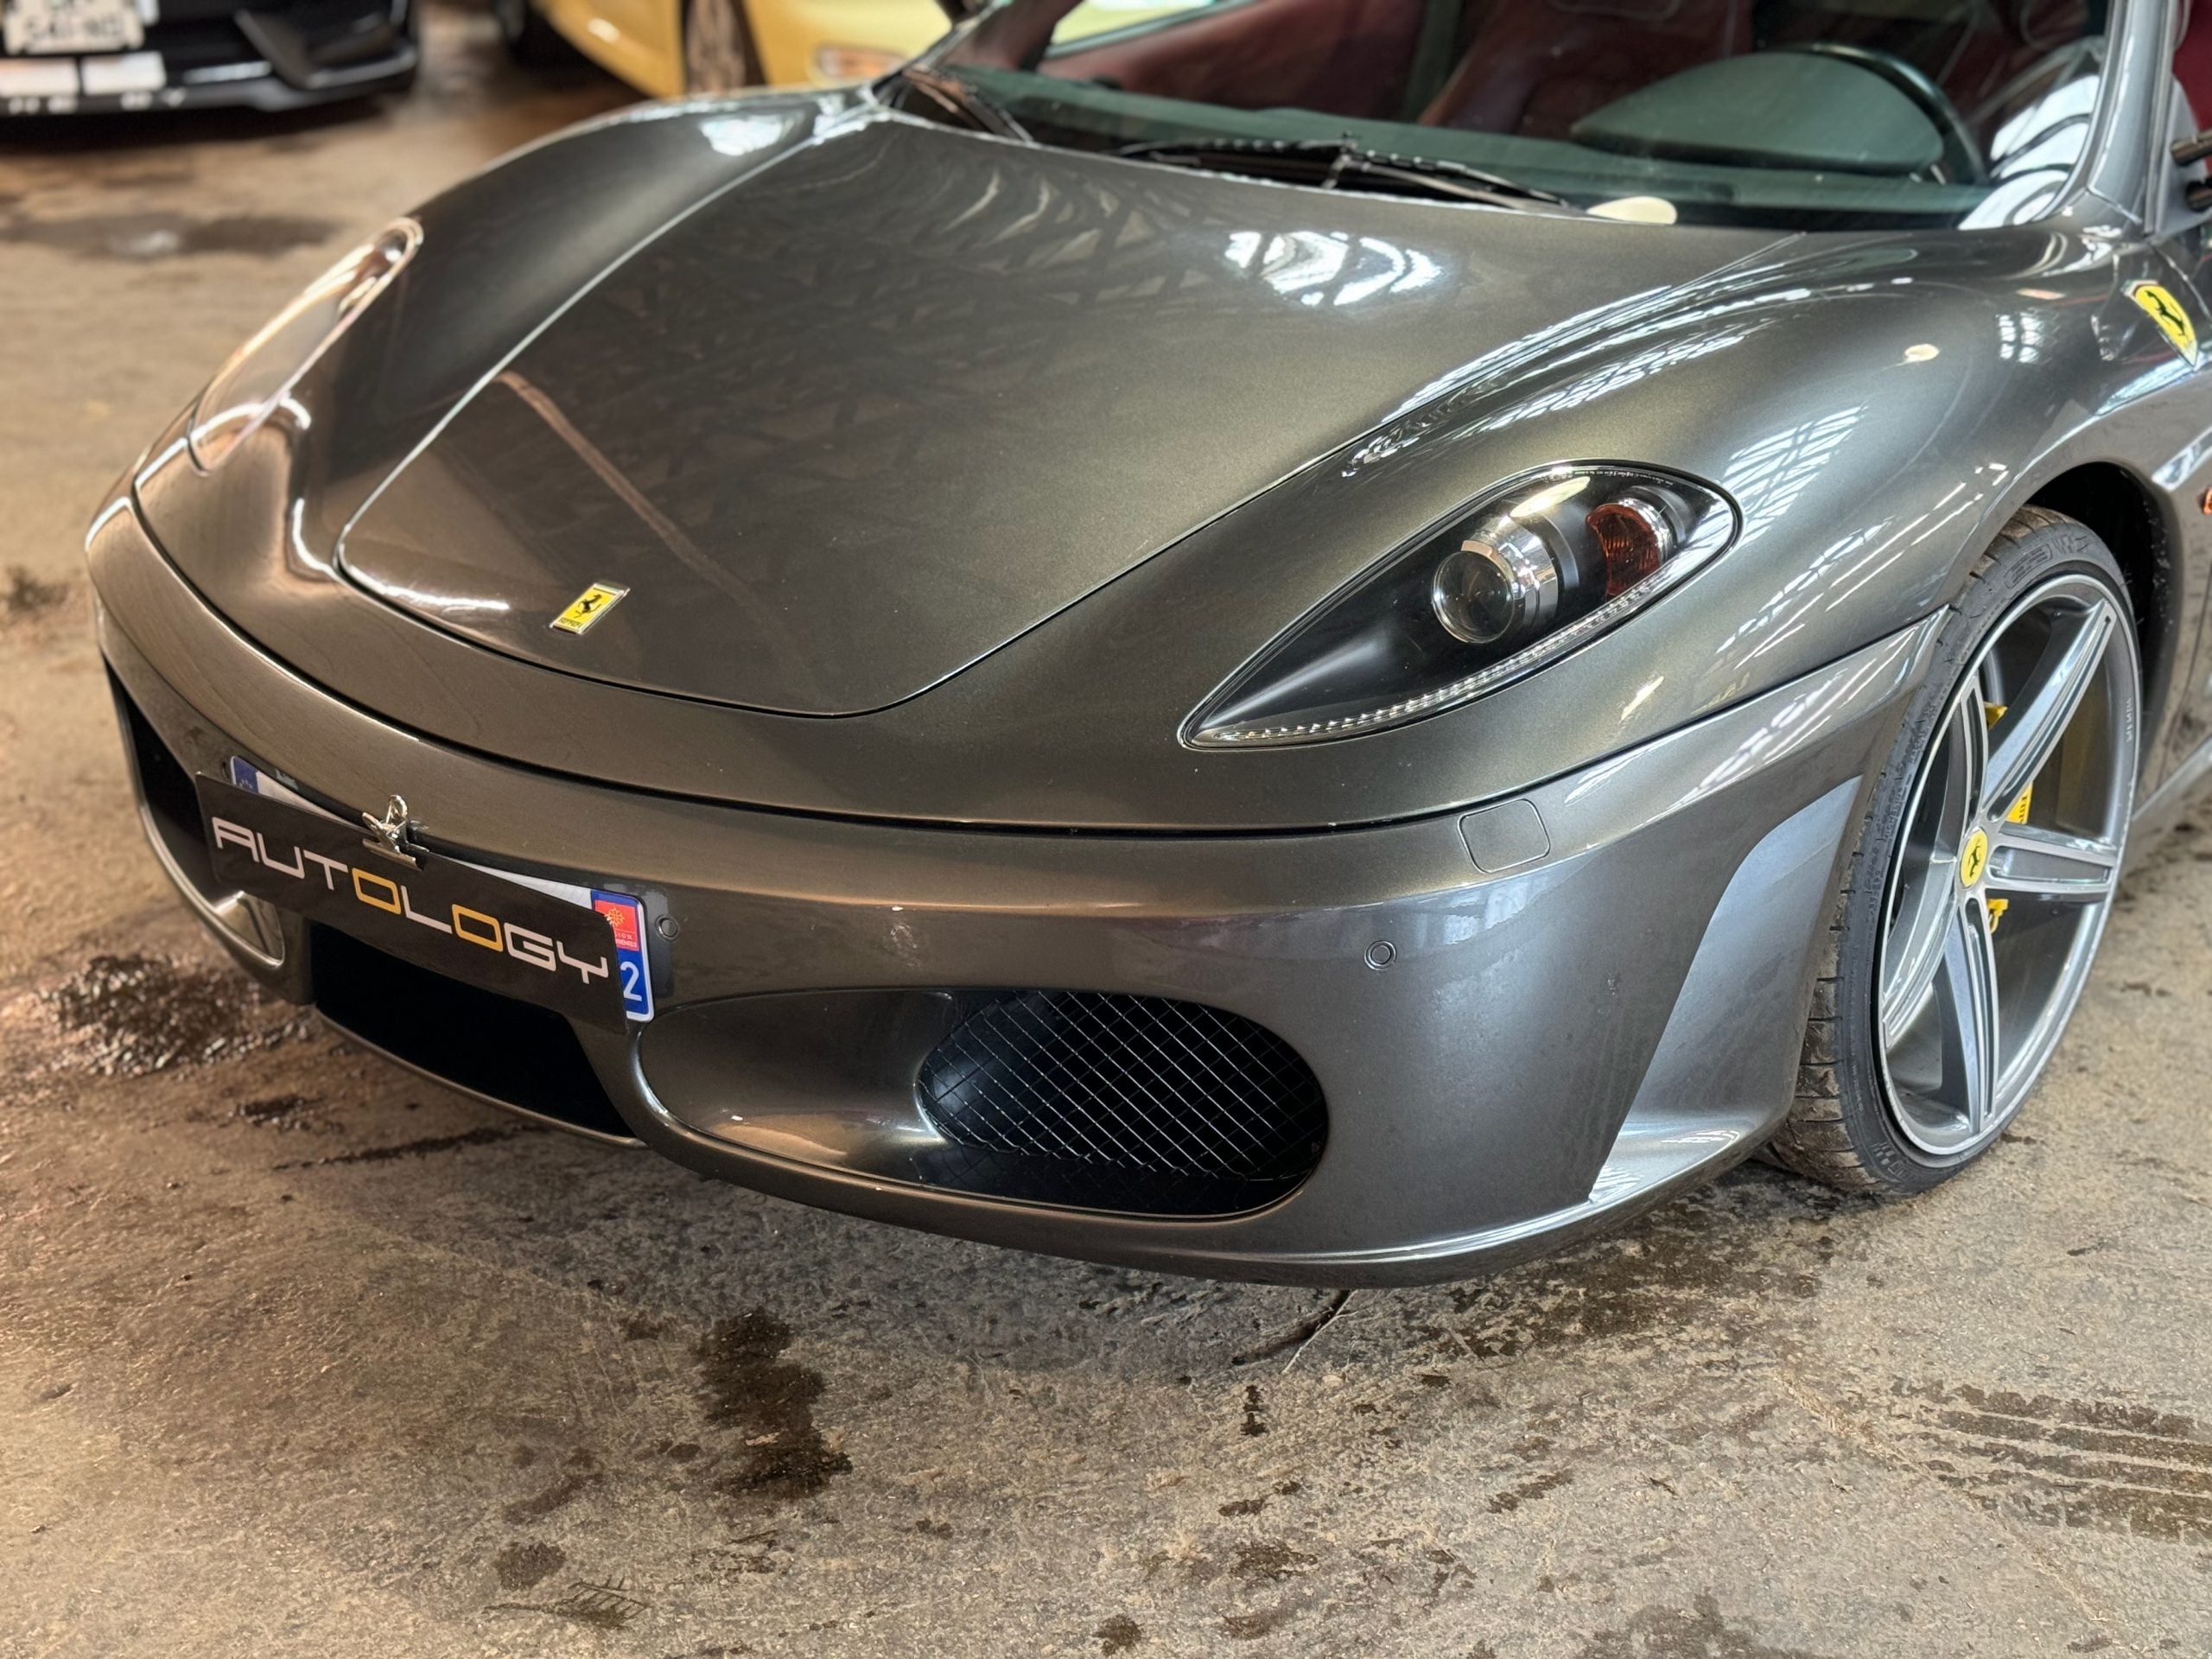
(524,1566)
(769,1403)
(129,1016)
(1701,1632)
(23,596)
(1670,1272)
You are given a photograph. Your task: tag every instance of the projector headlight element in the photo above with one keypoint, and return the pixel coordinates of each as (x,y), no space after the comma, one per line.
(258,377)
(1532,570)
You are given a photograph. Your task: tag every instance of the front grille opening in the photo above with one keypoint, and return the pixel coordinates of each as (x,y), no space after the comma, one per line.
(489,1045)
(1114,1101)
(171,801)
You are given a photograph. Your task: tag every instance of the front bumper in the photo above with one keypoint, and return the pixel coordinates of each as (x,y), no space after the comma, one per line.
(1611,1010)
(283,54)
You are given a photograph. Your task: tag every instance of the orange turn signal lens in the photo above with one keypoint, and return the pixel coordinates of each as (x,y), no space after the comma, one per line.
(1635,539)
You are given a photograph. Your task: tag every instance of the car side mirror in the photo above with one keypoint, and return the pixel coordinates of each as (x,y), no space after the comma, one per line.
(2198,192)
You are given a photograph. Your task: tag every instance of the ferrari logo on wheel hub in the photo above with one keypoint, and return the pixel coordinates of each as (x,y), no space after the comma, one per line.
(1973,858)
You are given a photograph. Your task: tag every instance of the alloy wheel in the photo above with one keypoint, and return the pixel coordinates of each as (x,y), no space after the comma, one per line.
(2008,868)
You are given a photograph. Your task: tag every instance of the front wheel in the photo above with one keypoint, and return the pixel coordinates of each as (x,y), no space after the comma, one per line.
(1985,871)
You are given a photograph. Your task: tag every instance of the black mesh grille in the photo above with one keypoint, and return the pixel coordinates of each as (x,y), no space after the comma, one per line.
(1123,1102)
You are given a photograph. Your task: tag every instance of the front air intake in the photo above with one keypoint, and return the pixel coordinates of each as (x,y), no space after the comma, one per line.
(1113,1102)
(511,1052)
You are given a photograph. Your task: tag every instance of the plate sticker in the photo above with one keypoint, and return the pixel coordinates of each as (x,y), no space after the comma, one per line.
(632,972)
(2163,308)
(251,778)
(586,607)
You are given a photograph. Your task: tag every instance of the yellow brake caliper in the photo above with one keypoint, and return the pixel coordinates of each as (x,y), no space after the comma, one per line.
(1991,714)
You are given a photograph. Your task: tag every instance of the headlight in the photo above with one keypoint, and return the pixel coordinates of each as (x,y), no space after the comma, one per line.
(1532,570)
(258,377)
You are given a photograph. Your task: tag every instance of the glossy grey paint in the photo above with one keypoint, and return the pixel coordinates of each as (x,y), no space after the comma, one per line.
(1785,377)
(1479,1088)
(1553,1044)
(898,398)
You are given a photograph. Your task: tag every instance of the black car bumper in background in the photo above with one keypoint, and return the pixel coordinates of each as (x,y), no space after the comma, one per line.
(1373,1055)
(285,54)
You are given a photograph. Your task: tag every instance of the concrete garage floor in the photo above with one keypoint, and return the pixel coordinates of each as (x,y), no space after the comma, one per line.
(298,1354)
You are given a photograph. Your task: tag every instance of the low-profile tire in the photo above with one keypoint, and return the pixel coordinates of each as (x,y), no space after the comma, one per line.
(530,39)
(1983,874)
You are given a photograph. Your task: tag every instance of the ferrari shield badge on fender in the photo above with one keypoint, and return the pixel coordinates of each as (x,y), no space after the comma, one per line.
(2163,308)
(589,606)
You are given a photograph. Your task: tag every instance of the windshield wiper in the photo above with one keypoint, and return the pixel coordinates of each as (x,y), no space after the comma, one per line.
(957,97)
(1342,164)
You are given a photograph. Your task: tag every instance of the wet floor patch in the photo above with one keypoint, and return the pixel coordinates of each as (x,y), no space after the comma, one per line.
(1701,1631)
(129,1016)
(426,1147)
(151,236)
(277,1111)
(23,596)
(1253,1563)
(1757,1239)
(583,1472)
(524,1566)
(768,1404)
(1118,1634)
(1258,1585)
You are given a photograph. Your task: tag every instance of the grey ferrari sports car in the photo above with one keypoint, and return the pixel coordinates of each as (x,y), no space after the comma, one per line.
(1326,641)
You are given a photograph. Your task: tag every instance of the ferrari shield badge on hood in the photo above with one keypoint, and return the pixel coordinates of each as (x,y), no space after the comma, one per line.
(589,606)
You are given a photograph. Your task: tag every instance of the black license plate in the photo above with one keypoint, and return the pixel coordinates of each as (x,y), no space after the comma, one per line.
(436,912)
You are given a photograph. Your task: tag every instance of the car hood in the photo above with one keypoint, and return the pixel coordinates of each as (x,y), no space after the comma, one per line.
(896,398)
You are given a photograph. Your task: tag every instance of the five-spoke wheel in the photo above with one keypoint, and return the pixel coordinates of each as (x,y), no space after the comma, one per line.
(1986,872)
(2008,866)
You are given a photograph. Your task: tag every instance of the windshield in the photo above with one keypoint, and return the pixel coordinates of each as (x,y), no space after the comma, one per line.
(1789,113)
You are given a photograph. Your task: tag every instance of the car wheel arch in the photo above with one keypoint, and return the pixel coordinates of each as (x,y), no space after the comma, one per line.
(2135,522)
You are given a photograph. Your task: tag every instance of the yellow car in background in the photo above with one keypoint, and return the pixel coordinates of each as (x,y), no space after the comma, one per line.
(668,47)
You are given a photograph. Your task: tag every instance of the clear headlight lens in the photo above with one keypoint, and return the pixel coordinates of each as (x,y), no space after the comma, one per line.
(1531,571)
(258,377)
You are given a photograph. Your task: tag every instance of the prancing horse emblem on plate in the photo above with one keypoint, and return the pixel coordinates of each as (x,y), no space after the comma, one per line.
(392,832)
